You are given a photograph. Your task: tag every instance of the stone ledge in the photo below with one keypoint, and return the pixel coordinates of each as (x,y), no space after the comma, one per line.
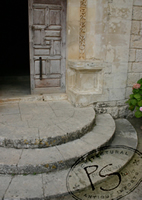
(43,124)
(29,161)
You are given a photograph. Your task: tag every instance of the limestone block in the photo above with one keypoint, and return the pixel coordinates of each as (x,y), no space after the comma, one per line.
(71,78)
(119,67)
(107,68)
(103,97)
(73,39)
(108,81)
(90,14)
(119,80)
(121,102)
(121,10)
(75,3)
(105,104)
(116,94)
(137,67)
(135,27)
(137,3)
(122,3)
(132,78)
(132,55)
(117,54)
(100,27)
(141,25)
(137,13)
(101,10)
(136,41)
(91,3)
(122,112)
(73,13)
(113,111)
(128,92)
(118,40)
(138,55)
(130,66)
(72,29)
(119,26)
(95,47)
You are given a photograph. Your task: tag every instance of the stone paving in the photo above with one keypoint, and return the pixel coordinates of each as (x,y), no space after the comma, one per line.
(42,124)
(55,159)
(29,161)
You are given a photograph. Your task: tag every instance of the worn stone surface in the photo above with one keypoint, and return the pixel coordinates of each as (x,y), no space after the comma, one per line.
(61,156)
(4,184)
(137,2)
(137,13)
(132,78)
(139,56)
(23,187)
(125,134)
(43,124)
(53,185)
(136,67)
(136,41)
(135,27)
(132,55)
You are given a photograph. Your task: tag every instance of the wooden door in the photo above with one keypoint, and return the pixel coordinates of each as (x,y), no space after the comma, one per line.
(47,28)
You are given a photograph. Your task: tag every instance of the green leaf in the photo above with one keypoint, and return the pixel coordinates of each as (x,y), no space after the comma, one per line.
(131,96)
(139,81)
(140,92)
(137,96)
(135,91)
(140,103)
(133,102)
(138,114)
(131,108)
(129,101)
(137,108)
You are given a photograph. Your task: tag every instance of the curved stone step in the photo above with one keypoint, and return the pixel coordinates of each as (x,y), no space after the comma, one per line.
(29,161)
(54,185)
(43,124)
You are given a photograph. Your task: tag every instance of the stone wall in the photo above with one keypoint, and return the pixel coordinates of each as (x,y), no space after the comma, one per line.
(99,68)
(135,54)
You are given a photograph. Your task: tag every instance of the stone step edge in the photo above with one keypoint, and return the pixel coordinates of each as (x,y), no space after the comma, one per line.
(56,180)
(59,180)
(34,98)
(80,146)
(46,142)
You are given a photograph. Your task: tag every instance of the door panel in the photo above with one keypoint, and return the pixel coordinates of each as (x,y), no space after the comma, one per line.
(47,40)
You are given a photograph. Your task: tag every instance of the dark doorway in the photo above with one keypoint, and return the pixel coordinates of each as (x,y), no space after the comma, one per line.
(14,65)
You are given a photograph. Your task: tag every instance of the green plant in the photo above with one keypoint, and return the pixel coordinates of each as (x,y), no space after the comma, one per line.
(135,101)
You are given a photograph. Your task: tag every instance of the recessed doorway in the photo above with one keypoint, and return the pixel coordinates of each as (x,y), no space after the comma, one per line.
(15,70)
(47,28)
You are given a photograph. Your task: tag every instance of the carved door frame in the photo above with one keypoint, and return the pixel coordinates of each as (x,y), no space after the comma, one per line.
(63,51)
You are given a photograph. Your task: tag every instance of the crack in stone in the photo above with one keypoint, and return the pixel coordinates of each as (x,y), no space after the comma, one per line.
(7,188)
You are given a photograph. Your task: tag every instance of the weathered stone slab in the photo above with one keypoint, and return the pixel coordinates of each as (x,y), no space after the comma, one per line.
(136,41)
(137,13)
(61,156)
(4,183)
(139,56)
(137,2)
(44,124)
(25,187)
